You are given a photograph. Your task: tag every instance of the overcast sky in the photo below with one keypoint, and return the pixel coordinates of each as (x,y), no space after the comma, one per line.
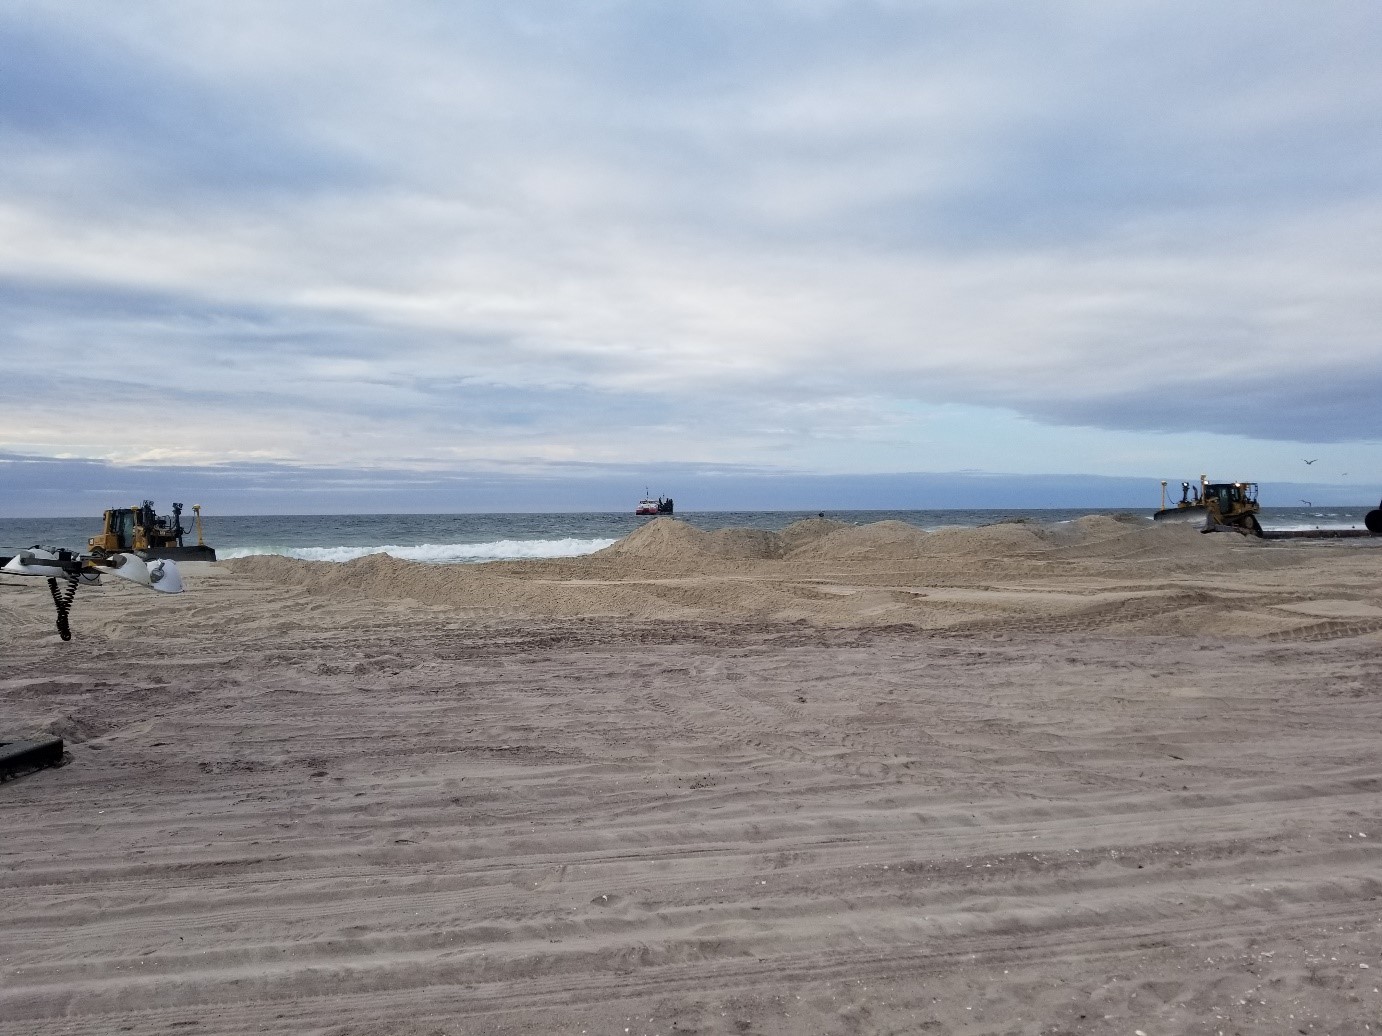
(632,242)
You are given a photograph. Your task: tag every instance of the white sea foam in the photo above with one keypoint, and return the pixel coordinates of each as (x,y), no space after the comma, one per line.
(434,553)
(1323,526)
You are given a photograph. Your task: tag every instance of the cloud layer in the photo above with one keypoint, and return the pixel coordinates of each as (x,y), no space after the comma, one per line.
(800,235)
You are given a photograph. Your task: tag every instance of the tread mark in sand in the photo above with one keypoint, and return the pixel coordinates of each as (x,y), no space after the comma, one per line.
(1330,629)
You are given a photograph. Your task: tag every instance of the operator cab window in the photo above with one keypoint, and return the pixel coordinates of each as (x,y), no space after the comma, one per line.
(124,528)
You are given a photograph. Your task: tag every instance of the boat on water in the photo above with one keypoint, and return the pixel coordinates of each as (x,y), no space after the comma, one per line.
(662,505)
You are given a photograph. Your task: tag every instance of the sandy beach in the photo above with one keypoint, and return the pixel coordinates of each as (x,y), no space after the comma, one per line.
(1100,777)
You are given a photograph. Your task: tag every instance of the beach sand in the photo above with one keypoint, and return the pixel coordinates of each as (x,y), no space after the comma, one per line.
(1098,777)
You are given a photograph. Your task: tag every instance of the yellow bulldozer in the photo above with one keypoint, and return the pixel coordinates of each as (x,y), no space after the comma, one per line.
(1230,506)
(143,530)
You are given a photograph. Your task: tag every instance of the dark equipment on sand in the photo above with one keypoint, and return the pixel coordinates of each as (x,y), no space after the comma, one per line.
(142,529)
(66,570)
(1373,520)
(1230,506)
(18,757)
(1233,507)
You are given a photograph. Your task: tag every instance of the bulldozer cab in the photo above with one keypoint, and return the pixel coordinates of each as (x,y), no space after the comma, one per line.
(138,528)
(120,528)
(1224,498)
(1233,503)
(118,531)
(1232,497)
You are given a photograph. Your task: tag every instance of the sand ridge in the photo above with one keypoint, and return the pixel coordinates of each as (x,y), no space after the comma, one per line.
(1017,575)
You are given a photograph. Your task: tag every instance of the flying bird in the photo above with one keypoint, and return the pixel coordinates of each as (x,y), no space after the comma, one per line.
(1312,461)
(1307,503)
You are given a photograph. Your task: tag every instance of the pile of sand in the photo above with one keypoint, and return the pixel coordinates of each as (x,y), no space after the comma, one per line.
(879,541)
(624,588)
(1093,528)
(819,571)
(670,540)
(800,535)
(1100,538)
(1005,539)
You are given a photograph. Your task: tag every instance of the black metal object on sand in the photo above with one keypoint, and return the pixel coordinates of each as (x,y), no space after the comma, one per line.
(17,757)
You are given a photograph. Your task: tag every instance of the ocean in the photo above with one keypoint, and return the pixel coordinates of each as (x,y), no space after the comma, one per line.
(446,539)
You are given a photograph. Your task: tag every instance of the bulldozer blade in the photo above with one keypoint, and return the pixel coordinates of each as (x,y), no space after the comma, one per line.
(1184,515)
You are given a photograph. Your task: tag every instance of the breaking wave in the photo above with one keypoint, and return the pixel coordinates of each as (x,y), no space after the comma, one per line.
(1298,523)
(434,553)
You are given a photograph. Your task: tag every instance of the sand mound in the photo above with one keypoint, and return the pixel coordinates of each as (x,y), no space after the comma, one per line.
(541,589)
(667,539)
(1092,527)
(800,534)
(1000,577)
(273,568)
(375,575)
(888,540)
(1005,539)
(671,540)
(1105,539)
(743,544)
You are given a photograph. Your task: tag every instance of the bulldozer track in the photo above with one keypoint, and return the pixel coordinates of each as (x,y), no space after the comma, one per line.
(1330,629)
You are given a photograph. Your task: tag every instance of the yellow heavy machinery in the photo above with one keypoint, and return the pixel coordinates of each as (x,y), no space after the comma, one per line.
(1230,506)
(143,530)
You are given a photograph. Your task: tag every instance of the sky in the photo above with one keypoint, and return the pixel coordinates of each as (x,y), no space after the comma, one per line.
(486,256)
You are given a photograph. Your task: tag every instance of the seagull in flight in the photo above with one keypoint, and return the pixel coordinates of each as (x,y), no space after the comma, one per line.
(1307,503)
(1312,461)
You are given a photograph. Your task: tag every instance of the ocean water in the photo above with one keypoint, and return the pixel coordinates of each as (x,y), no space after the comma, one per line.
(467,538)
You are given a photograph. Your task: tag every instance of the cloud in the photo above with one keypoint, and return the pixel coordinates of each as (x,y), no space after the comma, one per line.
(429,235)
(73,106)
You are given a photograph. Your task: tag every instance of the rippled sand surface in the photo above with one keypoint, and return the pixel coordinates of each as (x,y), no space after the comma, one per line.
(1088,778)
